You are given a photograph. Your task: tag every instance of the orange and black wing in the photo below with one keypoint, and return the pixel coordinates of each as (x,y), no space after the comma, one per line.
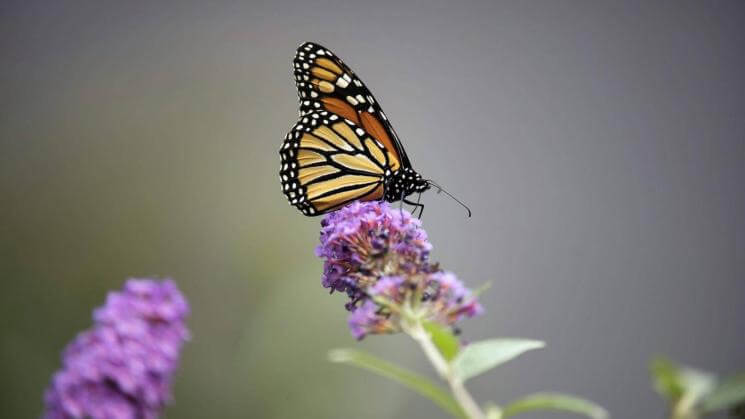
(325,83)
(329,161)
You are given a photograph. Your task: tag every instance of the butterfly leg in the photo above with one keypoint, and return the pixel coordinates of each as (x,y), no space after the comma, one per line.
(416,205)
(401,204)
(421,210)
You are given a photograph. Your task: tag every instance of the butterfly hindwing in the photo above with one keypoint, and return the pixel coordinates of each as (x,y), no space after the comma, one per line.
(328,161)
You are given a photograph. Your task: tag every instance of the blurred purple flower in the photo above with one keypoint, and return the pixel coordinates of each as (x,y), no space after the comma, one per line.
(379,256)
(448,300)
(122,366)
(367,319)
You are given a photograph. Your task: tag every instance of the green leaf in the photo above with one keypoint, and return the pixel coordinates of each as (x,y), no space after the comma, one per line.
(666,378)
(412,380)
(479,357)
(729,393)
(555,401)
(444,339)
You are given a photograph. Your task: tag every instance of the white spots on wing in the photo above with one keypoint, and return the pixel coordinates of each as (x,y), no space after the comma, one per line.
(333,117)
(347,78)
(313,94)
(360,132)
(357,83)
(342,83)
(352,100)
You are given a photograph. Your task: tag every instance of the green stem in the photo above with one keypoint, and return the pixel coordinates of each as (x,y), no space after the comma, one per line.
(413,327)
(683,409)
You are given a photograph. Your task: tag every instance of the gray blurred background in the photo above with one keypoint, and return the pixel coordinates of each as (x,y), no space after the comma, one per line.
(601,146)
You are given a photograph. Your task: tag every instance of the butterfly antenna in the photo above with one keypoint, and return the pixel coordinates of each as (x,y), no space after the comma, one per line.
(440,189)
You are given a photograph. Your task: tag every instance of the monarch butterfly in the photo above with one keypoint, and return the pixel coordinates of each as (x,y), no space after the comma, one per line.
(342,148)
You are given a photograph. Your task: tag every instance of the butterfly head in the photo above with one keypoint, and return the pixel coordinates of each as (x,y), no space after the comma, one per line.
(403,183)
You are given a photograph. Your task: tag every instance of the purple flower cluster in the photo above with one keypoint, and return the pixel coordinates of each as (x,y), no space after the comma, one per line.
(366,240)
(122,366)
(438,297)
(379,256)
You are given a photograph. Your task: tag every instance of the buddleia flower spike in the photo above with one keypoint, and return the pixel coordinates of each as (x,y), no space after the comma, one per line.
(122,366)
(379,256)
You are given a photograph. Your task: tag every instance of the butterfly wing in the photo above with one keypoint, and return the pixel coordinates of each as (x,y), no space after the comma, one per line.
(324,82)
(329,161)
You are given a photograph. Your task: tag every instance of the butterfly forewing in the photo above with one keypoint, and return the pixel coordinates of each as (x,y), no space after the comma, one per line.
(324,82)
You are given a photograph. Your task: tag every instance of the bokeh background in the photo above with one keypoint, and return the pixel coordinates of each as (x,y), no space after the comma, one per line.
(601,146)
